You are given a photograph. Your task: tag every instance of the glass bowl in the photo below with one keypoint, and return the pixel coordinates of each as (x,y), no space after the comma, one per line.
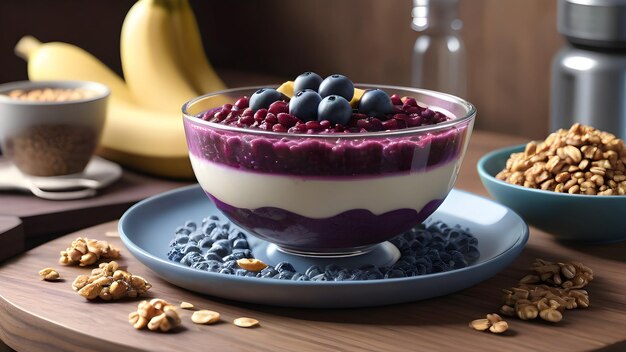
(328,194)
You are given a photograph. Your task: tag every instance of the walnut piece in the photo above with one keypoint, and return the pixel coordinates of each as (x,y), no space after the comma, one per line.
(549,290)
(581,160)
(85,252)
(493,323)
(157,315)
(110,283)
(49,274)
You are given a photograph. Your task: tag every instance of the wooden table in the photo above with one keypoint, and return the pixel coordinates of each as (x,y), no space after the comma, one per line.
(43,316)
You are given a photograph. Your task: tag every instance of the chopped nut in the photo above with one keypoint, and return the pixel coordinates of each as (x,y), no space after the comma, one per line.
(205,317)
(110,283)
(86,252)
(164,318)
(577,161)
(493,323)
(480,324)
(251,264)
(49,274)
(186,305)
(499,327)
(548,291)
(246,322)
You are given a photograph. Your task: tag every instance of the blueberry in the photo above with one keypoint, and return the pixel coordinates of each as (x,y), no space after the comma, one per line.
(268,272)
(213,256)
(219,250)
(223,243)
(190,258)
(218,234)
(285,266)
(241,243)
(472,254)
(230,264)
(284,275)
(313,271)
(332,269)
(263,98)
(191,225)
(200,265)
(393,273)
(214,266)
(182,239)
(175,255)
(191,248)
(337,85)
(335,109)
(228,271)
(238,255)
(320,277)
(297,276)
(196,236)
(375,103)
(206,242)
(207,228)
(307,80)
(236,235)
(304,105)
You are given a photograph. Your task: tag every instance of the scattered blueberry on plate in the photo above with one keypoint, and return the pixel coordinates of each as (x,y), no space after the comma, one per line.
(215,246)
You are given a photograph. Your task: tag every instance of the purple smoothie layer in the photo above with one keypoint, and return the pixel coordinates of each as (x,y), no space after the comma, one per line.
(353,228)
(325,156)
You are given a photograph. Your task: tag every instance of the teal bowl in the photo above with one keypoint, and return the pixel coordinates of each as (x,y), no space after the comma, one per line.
(587,218)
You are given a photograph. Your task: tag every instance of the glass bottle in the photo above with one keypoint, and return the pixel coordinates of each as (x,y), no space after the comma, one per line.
(438,61)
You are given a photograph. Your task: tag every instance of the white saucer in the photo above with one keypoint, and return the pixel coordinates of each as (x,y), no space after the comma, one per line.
(98,174)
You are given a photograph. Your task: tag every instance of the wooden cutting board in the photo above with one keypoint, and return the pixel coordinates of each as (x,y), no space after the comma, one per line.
(39,316)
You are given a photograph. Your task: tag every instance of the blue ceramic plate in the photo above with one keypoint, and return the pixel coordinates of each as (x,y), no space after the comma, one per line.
(147,228)
(566,216)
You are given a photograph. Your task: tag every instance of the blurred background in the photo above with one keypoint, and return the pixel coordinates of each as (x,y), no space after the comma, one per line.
(509,45)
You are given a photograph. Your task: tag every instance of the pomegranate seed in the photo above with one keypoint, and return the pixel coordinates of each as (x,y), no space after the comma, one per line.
(271,118)
(409,101)
(411,109)
(279,128)
(395,99)
(220,116)
(242,103)
(247,120)
(325,124)
(358,116)
(277,107)
(376,124)
(390,124)
(260,115)
(248,112)
(363,124)
(427,113)
(286,119)
(312,125)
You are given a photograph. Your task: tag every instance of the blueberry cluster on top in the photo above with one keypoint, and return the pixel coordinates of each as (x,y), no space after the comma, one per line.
(329,99)
(327,105)
(216,247)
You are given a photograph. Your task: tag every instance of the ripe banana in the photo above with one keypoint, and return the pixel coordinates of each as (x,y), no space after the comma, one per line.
(197,68)
(145,140)
(151,63)
(57,60)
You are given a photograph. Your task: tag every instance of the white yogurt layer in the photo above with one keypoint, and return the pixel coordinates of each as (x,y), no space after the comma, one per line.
(316,197)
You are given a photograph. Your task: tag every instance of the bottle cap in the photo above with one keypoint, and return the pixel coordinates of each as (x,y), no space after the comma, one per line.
(599,23)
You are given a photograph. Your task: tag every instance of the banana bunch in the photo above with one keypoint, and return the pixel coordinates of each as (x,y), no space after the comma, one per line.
(164,66)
